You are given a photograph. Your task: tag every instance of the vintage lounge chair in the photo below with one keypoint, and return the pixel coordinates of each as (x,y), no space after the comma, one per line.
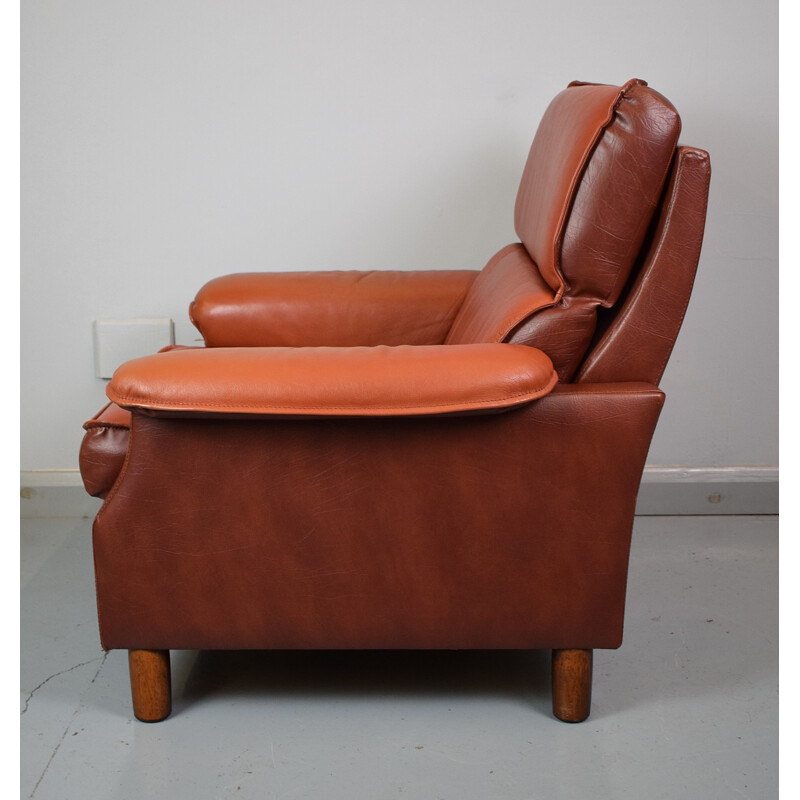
(432,459)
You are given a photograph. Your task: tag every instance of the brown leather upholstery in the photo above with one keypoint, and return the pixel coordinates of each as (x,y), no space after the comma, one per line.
(457,532)
(382,459)
(594,176)
(103,449)
(333,309)
(508,290)
(334,381)
(636,339)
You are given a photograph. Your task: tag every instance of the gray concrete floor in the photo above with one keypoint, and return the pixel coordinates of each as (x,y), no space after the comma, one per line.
(686,708)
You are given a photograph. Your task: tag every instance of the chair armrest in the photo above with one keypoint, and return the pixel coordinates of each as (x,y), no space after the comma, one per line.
(103,449)
(330,381)
(333,309)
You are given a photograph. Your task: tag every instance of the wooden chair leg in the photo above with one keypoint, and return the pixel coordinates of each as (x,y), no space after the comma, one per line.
(151,684)
(572,684)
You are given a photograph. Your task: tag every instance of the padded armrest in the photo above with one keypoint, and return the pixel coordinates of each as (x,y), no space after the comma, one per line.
(330,381)
(330,309)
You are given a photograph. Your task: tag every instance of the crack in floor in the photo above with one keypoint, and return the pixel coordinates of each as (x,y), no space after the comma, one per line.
(75,713)
(55,675)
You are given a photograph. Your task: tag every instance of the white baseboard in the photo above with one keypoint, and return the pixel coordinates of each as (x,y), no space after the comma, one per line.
(55,493)
(664,491)
(677,491)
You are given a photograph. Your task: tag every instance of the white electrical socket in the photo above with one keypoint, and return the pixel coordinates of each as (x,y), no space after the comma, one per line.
(120,340)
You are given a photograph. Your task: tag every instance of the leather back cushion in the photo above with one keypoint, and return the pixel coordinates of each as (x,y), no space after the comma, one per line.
(592,181)
(509,288)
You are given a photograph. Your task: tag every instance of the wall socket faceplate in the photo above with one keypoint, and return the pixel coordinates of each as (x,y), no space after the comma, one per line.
(120,340)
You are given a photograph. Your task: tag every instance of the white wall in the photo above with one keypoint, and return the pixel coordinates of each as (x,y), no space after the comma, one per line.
(165,142)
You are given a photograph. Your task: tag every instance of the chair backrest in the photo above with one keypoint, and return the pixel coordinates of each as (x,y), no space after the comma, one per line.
(634,338)
(593,182)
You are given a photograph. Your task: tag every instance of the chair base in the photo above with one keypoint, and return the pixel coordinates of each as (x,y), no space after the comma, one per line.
(572,684)
(151,684)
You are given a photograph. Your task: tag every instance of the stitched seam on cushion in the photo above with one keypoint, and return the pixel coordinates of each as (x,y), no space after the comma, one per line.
(96,418)
(530,394)
(567,208)
(526,316)
(500,331)
(528,312)
(613,393)
(664,175)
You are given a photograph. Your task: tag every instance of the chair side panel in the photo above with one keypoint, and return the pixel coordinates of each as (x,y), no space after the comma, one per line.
(496,531)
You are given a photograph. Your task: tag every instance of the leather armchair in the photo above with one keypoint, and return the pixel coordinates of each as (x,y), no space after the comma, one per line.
(433,459)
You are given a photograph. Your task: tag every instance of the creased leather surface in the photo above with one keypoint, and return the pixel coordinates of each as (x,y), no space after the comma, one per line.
(507,530)
(618,193)
(563,331)
(487,530)
(563,144)
(334,381)
(507,290)
(592,181)
(333,309)
(103,449)
(639,339)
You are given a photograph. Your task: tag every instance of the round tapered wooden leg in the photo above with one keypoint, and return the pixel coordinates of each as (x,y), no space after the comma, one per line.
(151,684)
(572,684)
